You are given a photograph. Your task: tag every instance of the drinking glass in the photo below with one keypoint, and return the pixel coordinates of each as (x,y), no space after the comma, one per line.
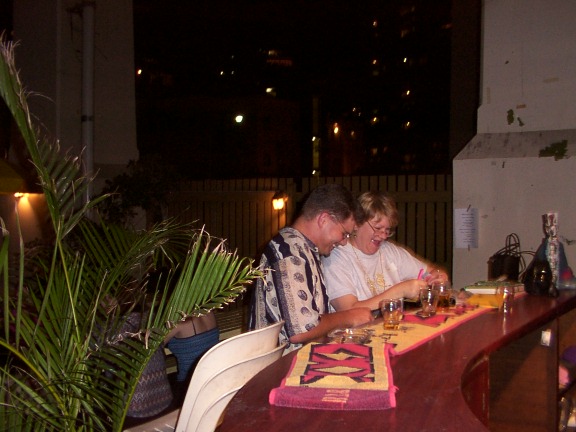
(444,295)
(392,311)
(505,297)
(429,300)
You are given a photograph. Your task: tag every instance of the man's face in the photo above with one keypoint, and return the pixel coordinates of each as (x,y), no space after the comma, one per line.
(334,233)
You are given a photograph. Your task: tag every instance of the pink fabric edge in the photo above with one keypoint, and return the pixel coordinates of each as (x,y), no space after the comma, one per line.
(391,387)
(393,352)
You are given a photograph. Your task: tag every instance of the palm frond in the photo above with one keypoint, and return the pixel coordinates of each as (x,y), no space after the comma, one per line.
(68,364)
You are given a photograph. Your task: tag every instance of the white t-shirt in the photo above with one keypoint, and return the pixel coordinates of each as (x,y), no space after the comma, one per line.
(346,268)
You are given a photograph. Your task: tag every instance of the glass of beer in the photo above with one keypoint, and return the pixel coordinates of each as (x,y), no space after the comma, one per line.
(444,295)
(392,312)
(505,298)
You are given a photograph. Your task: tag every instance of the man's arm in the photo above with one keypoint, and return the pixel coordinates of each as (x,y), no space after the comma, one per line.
(331,321)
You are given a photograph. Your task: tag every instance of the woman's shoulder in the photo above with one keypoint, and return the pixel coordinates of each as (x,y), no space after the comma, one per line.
(338,254)
(396,252)
(392,249)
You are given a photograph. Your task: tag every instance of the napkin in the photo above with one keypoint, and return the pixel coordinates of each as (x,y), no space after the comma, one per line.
(338,376)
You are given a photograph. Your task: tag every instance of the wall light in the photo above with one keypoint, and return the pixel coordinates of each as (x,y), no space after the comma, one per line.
(279,200)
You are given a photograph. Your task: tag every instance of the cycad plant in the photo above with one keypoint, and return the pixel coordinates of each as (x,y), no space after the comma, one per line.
(64,363)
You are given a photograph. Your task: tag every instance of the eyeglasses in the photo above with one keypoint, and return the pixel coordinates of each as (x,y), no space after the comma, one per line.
(389,232)
(345,234)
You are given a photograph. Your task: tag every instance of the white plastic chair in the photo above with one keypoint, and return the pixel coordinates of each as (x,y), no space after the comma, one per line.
(211,417)
(238,358)
(217,391)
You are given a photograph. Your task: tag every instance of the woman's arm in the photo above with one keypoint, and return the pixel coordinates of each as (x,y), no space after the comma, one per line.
(407,289)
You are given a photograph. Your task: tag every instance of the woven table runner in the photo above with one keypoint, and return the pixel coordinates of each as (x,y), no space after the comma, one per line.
(414,330)
(338,376)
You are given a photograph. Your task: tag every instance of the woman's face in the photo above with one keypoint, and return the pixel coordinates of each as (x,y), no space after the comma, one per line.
(372,233)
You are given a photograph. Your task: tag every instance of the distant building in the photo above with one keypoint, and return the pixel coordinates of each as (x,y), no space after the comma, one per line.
(398,119)
(366,90)
(225,137)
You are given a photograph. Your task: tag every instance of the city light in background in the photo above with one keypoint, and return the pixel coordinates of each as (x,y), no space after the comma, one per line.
(338,89)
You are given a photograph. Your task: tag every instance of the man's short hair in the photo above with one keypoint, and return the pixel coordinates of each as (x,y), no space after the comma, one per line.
(331,198)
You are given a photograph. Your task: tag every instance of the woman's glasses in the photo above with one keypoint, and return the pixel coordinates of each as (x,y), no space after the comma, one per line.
(388,232)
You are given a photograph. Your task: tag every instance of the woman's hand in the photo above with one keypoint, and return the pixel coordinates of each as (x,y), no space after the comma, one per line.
(436,275)
(410,288)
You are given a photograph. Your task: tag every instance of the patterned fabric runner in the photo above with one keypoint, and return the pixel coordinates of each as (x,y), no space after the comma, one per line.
(414,330)
(338,376)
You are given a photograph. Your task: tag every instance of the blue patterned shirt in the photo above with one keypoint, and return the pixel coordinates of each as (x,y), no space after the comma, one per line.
(293,287)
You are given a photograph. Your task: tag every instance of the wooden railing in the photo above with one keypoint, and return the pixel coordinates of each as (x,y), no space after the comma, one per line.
(241,212)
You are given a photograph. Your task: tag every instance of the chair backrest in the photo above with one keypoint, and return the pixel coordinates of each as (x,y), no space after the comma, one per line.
(214,395)
(211,417)
(225,354)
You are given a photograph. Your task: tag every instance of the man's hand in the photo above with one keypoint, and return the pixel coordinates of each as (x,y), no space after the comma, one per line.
(342,319)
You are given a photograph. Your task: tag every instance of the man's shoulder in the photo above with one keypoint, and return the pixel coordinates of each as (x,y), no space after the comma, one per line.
(287,238)
(280,246)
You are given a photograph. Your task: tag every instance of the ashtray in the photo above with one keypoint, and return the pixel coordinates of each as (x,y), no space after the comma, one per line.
(350,335)
(420,314)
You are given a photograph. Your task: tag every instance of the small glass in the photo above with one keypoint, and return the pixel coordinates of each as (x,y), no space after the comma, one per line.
(429,300)
(392,312)
(505,298)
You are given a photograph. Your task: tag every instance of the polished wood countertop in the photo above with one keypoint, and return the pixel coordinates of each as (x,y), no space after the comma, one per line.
(429,379)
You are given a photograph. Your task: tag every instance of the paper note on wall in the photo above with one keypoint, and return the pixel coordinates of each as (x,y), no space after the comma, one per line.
(466,228)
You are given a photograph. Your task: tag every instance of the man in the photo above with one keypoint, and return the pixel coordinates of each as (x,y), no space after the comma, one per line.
(293,287)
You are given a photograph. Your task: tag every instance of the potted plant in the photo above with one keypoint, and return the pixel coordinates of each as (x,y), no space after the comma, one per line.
(63,364)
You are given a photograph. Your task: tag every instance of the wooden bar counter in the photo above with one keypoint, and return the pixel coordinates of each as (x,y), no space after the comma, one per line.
(490,373)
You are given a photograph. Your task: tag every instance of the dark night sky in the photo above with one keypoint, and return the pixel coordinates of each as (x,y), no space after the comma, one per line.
(197,38)
(331,44)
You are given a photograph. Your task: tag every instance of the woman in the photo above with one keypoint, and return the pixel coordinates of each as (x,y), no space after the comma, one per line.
(370,268)
(188,341)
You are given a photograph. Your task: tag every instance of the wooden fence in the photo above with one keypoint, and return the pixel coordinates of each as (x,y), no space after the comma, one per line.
(241,212)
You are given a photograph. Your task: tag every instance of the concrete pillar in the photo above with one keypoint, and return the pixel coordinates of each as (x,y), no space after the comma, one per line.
(521,163)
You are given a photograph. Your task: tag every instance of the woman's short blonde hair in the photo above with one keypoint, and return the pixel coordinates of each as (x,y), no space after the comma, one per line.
(377,204)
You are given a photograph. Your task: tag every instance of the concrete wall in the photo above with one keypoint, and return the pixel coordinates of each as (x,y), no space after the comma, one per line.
(528,89)
(528,65)
(50,60)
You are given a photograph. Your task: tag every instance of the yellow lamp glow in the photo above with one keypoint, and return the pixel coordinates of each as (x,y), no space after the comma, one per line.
(279,200)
